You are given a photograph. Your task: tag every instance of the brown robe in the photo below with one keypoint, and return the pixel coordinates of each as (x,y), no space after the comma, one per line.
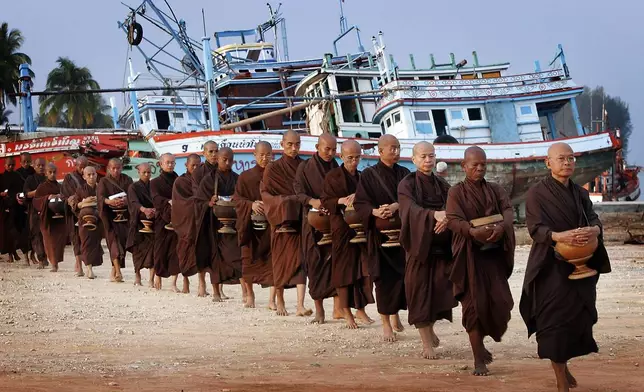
(255,244)
(90,240)
(166,262)
(350,265)
(308,184)
(378,185)
(184,223)
(220,250)
(22,225)
(429,256)
(281,206)
(72,182)
(53,231)
(561,311)
(200,172)
(480,277)
(141,245)
(12,216)
(116,234)
(35,236)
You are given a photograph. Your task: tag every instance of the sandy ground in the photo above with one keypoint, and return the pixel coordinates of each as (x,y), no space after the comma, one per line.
(63,333)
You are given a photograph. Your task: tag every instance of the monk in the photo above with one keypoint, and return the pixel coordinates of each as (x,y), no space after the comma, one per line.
(90,240)
(140,206)
(183,221)
(116,233)
(210,151)
(166,262)
(12,217)
(427,242)
(255,244)
(38,255)
(377,198)
(73,181)
(561,311)
(308,185)
(283,212)
(221,250)
(483,256)
(53,229)
(23,243)
(349,271)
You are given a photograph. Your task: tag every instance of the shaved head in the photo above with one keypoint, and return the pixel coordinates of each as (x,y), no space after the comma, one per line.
(326,147)
(89,169)
(167,162)
(389,150)
(474,163)
(291,143)
(25,159)
(145,171)
(10,161)
(193,158)
(210,150)
(561,161)
(421,146)
(225,159)
(51,166)
(40,160)
(114,161)
(559,148)
(350,146)
(50,171)
(143,166)
(263,144)
(424,157)
(89,174)
(192,162)
(81,163)
(165,157)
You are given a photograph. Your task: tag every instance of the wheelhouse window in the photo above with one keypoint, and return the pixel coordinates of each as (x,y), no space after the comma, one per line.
(423,122)
(526,110)
(457,114)
(396,117)
(177,114)
(474,114)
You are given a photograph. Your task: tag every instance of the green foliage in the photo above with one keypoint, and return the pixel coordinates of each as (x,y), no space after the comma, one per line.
(10,59)
(72,110)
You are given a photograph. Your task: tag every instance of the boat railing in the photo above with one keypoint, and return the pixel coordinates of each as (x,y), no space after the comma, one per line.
(538,82)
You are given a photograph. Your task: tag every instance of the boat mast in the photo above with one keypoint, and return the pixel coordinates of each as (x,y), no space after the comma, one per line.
(211,92)
(134,101)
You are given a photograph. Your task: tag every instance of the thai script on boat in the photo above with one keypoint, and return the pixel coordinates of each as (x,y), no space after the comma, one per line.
(54,142)
(245,144)
(2,148)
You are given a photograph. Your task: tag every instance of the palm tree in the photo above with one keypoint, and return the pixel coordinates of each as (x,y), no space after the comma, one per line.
(4,116)
(10,60)
(78,110)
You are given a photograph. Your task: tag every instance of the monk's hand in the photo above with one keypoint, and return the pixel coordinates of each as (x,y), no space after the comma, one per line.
(148,212)
(569,237)
(497,233)
(348,200)
(71,200)
(392,208)
(213,200)
(258,207)
(480,234)
(379,213)
(590,231)
(315,203)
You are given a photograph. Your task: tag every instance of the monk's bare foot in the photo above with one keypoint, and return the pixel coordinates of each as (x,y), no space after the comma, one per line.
(41,266)
(15,256)
(186,285)
(388,334)
(175,289)
(480,369)
(487,357)
(429,353)
(90,274)
(250,301)
(362,316)
(10,259)
(80,274)
(54,268)
(572,382)
(217,298)
(351,321)
(137,282)
(272,306)
(396,324)
(338,314)
(202,292)
(158,283)
(436,341)
(303,312)
(318,319)
(281,310)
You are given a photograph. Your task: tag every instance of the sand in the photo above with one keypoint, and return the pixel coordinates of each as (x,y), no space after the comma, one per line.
(59,332)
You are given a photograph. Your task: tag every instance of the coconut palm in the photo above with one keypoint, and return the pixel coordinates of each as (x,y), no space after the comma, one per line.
(78,110)
(4,116)
(10,60)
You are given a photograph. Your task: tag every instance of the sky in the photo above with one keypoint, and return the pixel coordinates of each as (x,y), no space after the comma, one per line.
(602,40)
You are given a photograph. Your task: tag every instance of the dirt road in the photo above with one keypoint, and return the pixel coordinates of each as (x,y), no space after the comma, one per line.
(63,333)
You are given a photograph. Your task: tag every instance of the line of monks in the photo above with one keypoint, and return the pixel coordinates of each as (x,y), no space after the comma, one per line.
(414,237)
